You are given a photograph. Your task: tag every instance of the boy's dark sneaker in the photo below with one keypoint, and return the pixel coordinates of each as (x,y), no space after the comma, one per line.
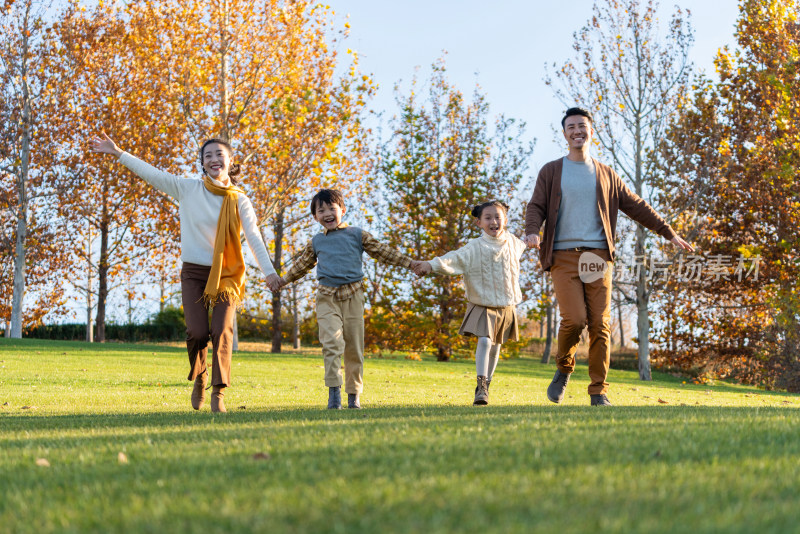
(352,401)
(335,398)
(600,400)
(481,392)
(556,389)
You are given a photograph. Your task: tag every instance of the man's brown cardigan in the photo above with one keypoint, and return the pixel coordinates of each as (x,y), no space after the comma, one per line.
(612,195)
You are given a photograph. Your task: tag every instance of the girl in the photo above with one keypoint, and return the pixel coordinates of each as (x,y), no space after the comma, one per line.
(213,211)
(490,265)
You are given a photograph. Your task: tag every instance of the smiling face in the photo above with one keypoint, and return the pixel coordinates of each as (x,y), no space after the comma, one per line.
(329,215)
(492,220)
(216,161)
(578,132)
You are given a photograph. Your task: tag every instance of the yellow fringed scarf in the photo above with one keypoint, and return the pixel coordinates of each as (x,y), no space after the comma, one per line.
(226,280)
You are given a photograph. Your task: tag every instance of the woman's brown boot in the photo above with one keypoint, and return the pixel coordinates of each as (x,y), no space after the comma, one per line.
(218,399)
(199,390)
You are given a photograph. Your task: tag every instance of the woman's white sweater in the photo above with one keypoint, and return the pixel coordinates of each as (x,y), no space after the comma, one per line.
(490,266)
(199,210)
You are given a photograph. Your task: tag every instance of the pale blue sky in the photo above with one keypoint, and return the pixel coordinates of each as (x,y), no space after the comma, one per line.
(503,45)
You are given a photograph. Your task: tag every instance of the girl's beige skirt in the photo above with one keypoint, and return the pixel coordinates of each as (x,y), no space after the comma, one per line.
(498,324)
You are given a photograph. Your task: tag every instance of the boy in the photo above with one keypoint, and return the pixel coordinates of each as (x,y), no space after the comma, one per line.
(337,251)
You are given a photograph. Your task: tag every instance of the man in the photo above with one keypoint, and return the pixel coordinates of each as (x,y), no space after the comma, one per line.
(579,198)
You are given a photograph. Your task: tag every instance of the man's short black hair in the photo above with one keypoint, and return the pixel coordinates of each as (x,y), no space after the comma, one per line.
(326,196)
(576,111)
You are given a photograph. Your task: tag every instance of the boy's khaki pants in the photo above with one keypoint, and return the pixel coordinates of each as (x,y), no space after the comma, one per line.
(341,332)
(581,304)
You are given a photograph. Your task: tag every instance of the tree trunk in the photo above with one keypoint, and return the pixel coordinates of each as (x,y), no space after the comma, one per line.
(89,324)
(642,294)
(102,280)
(19,259)
(550,320)
(443,350)
(223,66)
(277,324)
(643,319)
(235,343)
(621,325)
(548,344)
(22,191)
(296,317)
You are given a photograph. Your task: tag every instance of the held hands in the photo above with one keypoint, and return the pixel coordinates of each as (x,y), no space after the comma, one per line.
(104,145)
(680,243)
(275,282)
(532,240)
(420,268)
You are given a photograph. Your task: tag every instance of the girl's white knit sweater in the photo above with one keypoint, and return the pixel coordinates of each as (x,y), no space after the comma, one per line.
(490,266)
(199,210)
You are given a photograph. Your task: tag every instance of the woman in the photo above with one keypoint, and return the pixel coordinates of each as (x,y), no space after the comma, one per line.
(213,211)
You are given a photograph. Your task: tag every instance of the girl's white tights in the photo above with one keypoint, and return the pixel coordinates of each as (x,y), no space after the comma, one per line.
(486,356)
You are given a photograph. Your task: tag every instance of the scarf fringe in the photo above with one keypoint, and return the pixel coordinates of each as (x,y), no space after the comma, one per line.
(229,295)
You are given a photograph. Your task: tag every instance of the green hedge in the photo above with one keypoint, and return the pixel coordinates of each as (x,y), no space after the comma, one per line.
(121,332)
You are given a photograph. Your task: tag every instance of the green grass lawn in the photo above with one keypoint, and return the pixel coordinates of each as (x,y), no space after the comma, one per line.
(668,457)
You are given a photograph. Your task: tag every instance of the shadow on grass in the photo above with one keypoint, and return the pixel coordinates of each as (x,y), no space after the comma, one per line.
(183,422)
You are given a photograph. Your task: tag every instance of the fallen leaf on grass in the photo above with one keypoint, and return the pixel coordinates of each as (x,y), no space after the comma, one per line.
(26,407)
(261,456)
(786,402)
(42,462)
(662,401)
(122,458)
(646,397)
(634,389)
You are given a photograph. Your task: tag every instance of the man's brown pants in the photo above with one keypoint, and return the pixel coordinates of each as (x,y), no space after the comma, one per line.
(193,283)
(580,304)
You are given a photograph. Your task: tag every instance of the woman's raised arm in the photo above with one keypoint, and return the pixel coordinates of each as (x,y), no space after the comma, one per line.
(104,145)
(163,181)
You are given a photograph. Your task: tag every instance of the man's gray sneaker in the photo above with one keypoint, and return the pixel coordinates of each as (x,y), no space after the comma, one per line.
(335,398)
(600,400)
(481,393)
(556,389)
(352,401)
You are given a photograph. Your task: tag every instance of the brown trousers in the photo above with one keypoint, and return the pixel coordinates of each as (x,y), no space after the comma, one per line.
(581,304)
(193,283)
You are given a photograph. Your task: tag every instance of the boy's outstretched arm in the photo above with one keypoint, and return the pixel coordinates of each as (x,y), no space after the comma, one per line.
(304,262)
(384,253)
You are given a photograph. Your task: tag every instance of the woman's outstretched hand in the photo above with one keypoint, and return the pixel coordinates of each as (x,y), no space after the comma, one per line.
(105,145)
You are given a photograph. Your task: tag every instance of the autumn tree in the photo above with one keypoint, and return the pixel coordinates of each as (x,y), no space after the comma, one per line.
(734,153)
(30,255)
(113,85)
(442,158)
(631,77)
